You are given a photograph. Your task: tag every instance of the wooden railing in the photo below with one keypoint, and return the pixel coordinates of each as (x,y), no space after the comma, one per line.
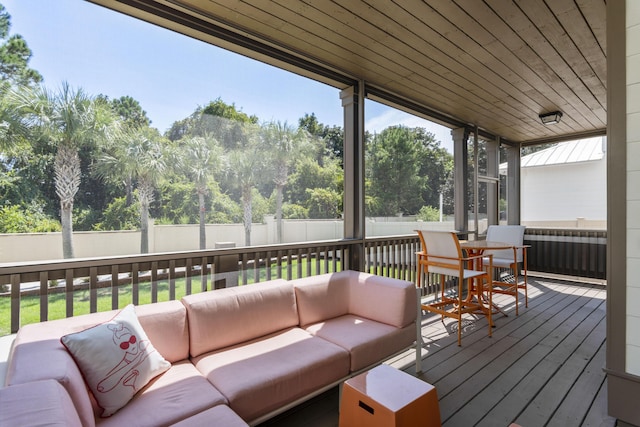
(40,291)
(572,252)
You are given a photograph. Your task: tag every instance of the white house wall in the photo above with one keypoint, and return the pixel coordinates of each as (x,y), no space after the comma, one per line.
(564,192)
(633,186)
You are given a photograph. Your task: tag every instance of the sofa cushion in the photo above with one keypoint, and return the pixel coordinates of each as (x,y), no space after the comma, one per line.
(367,341)
(384,299)
(116,359)
(179,393)
(322,297)
(226,317)
(38,403)
(262,375)
(218,416)
(165,323)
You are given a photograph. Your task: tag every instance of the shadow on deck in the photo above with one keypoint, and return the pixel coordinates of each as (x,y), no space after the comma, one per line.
(541,368)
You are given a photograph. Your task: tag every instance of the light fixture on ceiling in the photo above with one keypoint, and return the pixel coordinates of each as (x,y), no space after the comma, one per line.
(551,118)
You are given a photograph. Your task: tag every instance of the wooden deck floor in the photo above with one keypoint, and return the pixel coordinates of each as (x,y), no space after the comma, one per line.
(541,368)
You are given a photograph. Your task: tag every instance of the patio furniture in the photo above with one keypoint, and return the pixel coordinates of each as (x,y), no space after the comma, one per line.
(243,354)
(441,254)
(387,397)
(511,259)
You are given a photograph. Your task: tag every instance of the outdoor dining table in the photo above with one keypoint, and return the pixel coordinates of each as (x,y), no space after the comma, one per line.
(477,248)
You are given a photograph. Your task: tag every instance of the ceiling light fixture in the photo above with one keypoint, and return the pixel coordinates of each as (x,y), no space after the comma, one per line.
(551,118)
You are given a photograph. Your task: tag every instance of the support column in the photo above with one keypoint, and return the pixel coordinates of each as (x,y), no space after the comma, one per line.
(460,179)
(493,166)
(513,185)
(354,220)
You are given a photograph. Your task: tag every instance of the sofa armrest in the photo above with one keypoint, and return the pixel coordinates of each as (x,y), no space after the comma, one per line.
(383,299)
(37,403)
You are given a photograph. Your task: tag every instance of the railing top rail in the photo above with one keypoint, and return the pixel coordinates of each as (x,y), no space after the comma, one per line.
(61,264)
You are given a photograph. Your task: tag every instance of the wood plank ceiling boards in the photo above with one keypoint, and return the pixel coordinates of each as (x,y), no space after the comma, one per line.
(496,64)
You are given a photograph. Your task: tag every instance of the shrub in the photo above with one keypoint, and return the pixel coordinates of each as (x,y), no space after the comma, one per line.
(429,213)
(30,219)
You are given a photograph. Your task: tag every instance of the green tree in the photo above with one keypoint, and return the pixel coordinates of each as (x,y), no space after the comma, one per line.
(200,158)
(332,137)
(393,158)
(14,55)
(246,168)
(131,112)
(69,120)
(436,166)
(309,175)
(120,216)
(284,144)
(151,165)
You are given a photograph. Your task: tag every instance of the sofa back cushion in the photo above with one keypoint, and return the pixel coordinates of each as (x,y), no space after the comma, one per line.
(225,317)
(384,299)
(165,323)
(323,297)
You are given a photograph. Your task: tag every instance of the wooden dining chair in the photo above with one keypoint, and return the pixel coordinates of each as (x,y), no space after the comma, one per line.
(441,254)
(513,259)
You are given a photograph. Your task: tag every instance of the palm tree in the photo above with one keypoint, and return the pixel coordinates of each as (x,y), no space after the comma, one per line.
(200,158)
(246,164)
(146,148)
(284,142)
(114,165)
(69,119)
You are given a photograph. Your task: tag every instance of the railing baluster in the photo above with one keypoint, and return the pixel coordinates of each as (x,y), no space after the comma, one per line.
(256,267)
(172,280)
(15,302)
(188,270)
(115,290)
(154,281)
(69,291)
(44,296)
(135,283)
(203,274)
(93,289)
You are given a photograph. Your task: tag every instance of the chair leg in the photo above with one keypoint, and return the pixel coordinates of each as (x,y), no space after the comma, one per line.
(490,285)
(514,267)
(460,282)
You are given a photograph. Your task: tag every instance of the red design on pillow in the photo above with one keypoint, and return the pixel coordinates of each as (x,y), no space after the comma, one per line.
(125,372)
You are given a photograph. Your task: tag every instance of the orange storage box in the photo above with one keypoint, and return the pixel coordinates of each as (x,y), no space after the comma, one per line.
(388,397)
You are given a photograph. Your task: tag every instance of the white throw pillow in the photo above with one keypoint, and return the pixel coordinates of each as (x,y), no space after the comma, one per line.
(116,359)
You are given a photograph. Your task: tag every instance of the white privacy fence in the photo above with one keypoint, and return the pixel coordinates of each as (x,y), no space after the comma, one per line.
(170,238)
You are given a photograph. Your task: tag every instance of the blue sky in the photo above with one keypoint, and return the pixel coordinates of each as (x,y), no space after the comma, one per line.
(109,53)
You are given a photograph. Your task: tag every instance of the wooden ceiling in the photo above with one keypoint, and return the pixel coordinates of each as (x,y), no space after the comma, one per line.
(495,64)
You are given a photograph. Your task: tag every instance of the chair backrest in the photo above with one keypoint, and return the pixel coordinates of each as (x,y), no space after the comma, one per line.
(513,234)
(436,244)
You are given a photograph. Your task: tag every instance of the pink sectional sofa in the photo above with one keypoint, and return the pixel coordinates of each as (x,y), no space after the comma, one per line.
(238,356)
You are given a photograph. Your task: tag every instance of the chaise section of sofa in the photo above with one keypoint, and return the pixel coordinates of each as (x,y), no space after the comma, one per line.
(247,342)
(372,317)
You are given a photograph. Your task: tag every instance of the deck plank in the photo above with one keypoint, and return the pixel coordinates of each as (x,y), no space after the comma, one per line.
(543,367)
(496,383)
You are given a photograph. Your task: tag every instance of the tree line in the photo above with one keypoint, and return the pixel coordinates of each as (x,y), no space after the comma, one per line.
(70,160)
